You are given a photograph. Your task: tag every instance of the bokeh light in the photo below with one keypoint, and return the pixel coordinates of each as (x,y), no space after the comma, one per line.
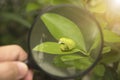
(114,6)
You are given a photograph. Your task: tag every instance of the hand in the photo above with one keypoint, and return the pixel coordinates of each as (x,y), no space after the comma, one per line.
(12,66)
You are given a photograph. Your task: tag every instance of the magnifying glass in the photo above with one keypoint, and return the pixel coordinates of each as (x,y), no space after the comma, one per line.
(65,42)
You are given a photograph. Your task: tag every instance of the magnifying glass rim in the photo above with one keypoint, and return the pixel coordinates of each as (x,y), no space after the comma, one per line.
(36,66)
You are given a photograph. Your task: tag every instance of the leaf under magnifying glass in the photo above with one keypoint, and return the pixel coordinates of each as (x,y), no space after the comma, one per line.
(53,48)
(77,61)
(59,26)
(95,43)
(71,57)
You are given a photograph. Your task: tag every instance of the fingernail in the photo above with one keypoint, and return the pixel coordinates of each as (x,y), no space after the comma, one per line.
(22,68)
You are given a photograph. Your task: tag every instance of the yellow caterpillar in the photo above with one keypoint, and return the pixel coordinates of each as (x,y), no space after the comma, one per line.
(66,44)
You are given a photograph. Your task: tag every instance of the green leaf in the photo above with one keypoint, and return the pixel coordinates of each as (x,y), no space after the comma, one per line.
(79,3)
(44,2)
(52,48)
(110,57)
(59,26)
(56,2)
(95,77)
(102,21)
(99,70)
(106,49)
(32,7)
(59,63)
(80,64)
(15,17)
(71,57)
(110,74)
(118,70)
(95,43)
(110,36)
(97,6)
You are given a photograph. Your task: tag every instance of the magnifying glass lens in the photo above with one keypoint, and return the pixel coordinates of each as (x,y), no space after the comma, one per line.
(65,41)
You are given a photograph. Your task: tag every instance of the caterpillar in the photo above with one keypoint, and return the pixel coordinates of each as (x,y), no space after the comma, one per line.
(66,44)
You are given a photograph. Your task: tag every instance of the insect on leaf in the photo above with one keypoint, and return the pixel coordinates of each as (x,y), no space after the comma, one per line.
(59,26)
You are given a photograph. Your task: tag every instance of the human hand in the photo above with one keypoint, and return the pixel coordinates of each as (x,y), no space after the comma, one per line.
(11,63)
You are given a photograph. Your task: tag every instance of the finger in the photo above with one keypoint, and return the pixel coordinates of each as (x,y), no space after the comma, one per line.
(13,70)
(29,75)
(12,52)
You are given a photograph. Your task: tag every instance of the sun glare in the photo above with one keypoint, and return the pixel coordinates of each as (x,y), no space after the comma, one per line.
(114,4)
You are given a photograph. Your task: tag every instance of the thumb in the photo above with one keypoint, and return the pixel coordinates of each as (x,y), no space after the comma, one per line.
(12,70)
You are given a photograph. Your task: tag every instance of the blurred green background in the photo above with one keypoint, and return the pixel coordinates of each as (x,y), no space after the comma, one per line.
(17,16)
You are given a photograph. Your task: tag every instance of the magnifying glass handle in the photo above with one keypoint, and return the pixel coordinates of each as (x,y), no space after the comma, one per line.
(27,62)
(31,64)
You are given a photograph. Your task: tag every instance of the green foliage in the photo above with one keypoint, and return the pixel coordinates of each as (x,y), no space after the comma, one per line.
(76,61)
(58,29)
(71,57)
(13,24)
(72,42)
(109,56)
(110,74)
(110,36)
(79,3)
(106,49)
(17,18)
(32,7)
(98,6)
(52,48)
(56,2)
(95,43)
(99,70)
